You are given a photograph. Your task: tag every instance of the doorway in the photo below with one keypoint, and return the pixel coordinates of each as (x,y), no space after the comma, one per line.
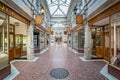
(101,39)
(17,39)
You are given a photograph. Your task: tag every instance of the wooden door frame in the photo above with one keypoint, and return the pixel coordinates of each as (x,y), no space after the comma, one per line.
(11,57)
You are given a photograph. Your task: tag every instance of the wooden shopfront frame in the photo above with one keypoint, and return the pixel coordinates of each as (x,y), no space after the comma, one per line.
(11,13)
(74,31)
(106,13)
(41,30)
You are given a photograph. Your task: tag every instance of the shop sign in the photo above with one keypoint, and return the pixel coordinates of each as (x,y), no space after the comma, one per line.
(12,13)
(38,19)
(79,19)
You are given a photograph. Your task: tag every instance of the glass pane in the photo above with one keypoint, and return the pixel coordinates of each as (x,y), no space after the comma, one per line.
(11,40)
(5,36)
(98,40)
(3,33)
(17,38)
(58,8)
(11,28)
(24,43)
(52,9)
(42,40)
(1,38)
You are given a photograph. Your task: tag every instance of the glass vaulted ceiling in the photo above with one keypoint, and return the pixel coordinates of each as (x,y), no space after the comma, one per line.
(58,8)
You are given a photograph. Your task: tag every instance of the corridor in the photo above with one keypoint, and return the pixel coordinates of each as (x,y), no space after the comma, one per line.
(59,56)
(59,40)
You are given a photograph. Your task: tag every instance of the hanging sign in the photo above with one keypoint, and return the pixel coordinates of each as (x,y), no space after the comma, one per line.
(79,19)
(38,19)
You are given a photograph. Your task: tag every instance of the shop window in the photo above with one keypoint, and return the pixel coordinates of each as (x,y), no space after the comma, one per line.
(3,40)
(18,41)
(3,33)
(115,39)
(42,40)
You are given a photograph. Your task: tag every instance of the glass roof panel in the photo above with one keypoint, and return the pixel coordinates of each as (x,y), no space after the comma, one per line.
(52,9)
(64,8)
(58,8)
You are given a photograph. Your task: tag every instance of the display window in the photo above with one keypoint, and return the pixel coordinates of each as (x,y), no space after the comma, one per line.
(3,40)
(17,39)
(115,40)
(75,40)
(81,39)
(42,40)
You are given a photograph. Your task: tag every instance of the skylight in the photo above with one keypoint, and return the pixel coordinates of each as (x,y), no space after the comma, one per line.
(58,8)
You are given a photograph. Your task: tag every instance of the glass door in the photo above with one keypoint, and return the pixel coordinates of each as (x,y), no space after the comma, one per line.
(11,41)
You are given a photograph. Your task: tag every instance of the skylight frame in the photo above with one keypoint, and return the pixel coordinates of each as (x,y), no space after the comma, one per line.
(58,3)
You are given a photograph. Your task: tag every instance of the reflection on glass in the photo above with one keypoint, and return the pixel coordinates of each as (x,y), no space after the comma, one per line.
(24,43)
(98,40)
(3,33)
(81,39)
(3,40)
(42,40)
(17,38)
(75,40)
(11,41)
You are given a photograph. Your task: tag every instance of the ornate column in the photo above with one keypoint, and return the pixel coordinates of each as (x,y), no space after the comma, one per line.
(30,44)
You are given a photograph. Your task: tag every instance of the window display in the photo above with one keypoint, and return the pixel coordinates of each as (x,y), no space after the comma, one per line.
(75,40)
(115,39)
(42,40)
(3,40)
(81,39)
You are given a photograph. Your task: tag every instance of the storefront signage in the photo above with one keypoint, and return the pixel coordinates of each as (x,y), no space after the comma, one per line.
(39,28)
(12,13)
(68,29)
(38,19)
(79,19)
(49,30)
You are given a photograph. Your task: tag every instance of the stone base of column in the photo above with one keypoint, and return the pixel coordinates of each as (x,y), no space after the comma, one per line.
(87,54)
(30,54)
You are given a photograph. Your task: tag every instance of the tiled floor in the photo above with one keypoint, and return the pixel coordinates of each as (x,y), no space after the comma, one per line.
(59,56)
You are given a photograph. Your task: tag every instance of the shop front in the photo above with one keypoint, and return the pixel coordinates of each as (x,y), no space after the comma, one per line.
(17,39)
(13,38)
(4,56)
(105,32)
(42,40)
(78,39)
(39,39)
(114,66)
(36,41)
(81,38)
(101,39)
(75,40)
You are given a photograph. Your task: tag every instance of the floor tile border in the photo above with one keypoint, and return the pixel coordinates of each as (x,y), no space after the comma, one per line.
(104,71)
(74,51)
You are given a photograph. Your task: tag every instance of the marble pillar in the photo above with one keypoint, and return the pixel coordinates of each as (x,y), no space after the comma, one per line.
(30,42)
(88,43)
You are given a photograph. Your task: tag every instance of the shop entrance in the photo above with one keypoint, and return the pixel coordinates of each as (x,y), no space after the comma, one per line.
(101,39)
(17,39)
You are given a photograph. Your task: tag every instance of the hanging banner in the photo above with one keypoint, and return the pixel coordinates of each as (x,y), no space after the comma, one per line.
(38,19)
(79,19)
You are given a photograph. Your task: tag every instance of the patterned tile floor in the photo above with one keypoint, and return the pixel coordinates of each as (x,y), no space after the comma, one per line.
(59,56)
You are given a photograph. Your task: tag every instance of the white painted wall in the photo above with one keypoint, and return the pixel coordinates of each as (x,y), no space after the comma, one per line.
(94,6)
(23,6)
(21,30)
